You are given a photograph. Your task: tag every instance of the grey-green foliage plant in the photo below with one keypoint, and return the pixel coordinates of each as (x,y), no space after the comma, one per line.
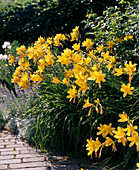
(13,107)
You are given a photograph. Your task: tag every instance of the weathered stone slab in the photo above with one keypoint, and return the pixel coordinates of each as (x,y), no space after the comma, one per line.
(9,161)
(36,159)
(10,153)
(36,168)
(6,149)
(6,157)
(28,165)
(28,155)
(4,167)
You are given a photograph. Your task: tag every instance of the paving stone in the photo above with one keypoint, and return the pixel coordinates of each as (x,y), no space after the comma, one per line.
(22,149)
(27,155)
(28,151)
(6,149)
(4,167)
(10,153)
(9,161)
(6,143)
(36,159)
(12,141)
(1,147)
(28,165)
(8,139)
(6,157)
(10,146)
(36,168)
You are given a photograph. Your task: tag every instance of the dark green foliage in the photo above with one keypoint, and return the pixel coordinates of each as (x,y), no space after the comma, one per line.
(25,21)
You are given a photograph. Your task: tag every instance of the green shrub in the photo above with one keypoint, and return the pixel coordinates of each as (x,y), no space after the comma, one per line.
(115,23)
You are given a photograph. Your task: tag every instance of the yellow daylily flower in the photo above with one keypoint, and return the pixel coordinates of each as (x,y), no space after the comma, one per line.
(15,79)
(11,60)
(22,84)
(119,71)
(87,103)
(109,142)
(23,48)
(72,93)
(99,48)
(128,37)
(130,129)
(93,146)
(126,89)
(65,81)
(35,78)
(120,135)
(76,46)
(105,130)
(110,44)
(24,77)
(130,68)
(106,56)
(40,69)
(56,80)
(123,117)
(97,101)
(49,40)
(137,164)
(134,140)
(87,43)
(75,33)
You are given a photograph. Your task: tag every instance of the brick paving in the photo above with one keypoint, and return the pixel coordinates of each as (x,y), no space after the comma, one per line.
(18,155)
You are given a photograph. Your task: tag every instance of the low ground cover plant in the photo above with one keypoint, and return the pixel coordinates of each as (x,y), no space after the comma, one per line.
(88,90)
(13,108)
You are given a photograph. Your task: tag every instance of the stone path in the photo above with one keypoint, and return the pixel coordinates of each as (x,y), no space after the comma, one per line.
(18,155)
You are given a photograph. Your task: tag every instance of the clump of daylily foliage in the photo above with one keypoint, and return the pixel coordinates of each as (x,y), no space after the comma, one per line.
(82,65)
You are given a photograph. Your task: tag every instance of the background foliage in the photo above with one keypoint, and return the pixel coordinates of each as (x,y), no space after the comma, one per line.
(25,21)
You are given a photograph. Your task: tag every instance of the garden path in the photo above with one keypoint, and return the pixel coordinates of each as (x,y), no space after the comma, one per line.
(18,155)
